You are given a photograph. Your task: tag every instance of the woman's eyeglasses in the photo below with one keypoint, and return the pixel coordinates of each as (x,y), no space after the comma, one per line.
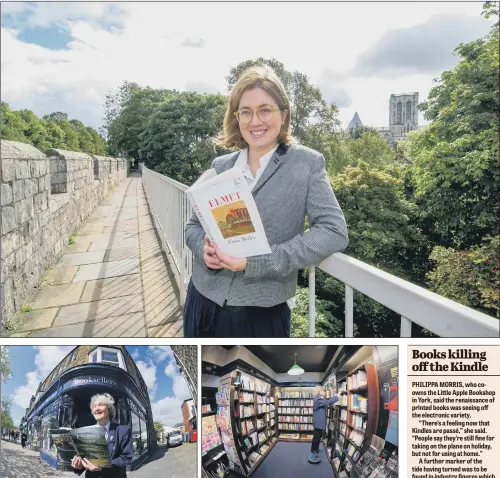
(264,113)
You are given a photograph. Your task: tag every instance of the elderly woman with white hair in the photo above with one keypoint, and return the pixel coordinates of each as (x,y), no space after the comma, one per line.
(118,438)
(320,405)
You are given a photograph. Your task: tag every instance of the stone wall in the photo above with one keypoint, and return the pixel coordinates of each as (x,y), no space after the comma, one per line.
(45,199)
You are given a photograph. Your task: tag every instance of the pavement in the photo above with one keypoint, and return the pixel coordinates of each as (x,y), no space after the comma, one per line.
(176,462)
(114,281)
(16,462)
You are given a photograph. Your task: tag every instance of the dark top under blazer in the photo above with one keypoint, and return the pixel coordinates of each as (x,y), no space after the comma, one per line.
(319,410)
(293,185)
(121,452)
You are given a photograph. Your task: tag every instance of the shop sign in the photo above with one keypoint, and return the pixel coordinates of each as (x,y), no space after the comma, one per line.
(89,380)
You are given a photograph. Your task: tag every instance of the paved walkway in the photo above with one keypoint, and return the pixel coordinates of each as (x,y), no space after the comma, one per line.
(114,281)
(16,461)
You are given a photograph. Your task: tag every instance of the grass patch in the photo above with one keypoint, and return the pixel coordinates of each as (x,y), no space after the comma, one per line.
(71,240)
(26,308)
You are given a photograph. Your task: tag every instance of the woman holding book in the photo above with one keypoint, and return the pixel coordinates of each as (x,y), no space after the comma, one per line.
(319,420)
(118,439)
(253,296)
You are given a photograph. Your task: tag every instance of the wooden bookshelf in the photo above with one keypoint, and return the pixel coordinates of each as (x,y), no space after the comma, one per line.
(258,397)
(356,416)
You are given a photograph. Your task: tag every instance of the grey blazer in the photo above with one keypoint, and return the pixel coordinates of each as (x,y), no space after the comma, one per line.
(293,185)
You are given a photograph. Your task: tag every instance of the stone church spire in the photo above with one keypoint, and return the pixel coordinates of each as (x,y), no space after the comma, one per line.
(355,123)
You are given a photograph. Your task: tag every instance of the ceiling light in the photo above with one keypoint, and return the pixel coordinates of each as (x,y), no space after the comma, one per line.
(295,369)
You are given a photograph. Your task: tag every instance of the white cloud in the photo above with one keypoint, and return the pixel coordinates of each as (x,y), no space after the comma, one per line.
(160,353)
(167,411)
(147,49)
(148,372)
(47,358)
(135,354)
(179,385)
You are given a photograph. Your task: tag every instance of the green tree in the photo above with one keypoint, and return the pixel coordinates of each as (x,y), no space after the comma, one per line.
(55,137)
(382,223)
(307,103)
(468,277)
(6,418)
(85,140)
(158,429)
(456,171)
(35,128)
(326,324)
(100,146)
(127,113)
(5,369)
(12,126)
(177,138)
(56,116)
(383,233)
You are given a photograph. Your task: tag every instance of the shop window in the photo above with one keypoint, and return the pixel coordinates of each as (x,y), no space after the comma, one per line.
(144,436)
(49,421)
(108,356)
(136,435)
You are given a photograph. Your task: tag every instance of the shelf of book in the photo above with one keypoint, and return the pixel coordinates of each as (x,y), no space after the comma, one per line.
(254,420)
(295,413)
(360,414)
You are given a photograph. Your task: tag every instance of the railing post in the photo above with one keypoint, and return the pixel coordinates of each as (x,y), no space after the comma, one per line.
(405,327)
(349,311)
(182,274)
(312,301)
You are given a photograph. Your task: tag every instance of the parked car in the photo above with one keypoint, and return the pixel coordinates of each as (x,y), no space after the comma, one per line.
(175,438)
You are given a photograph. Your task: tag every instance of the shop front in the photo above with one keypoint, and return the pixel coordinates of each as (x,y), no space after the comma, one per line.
(66,404)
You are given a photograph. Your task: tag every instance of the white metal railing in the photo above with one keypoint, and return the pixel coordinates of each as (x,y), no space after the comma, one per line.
(441,316)
(171,210)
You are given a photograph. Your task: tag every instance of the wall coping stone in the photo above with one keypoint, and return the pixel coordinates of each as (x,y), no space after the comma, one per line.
(69,155)
(17,150)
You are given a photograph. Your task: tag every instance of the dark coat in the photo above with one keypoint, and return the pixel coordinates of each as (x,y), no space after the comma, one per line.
(319,409)
(120,451)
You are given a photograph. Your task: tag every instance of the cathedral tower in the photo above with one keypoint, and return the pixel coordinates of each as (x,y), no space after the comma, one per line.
(403,114)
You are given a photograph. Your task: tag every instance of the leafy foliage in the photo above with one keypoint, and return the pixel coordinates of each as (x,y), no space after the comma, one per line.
(381,221)
(456,172)
(6,418)
(326,324)
(176,140)
(307,103)
(158,427)
(51,131)
(127,113)
(469,277)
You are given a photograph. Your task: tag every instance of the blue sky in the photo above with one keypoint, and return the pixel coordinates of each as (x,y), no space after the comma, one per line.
(166,386)
(66,56)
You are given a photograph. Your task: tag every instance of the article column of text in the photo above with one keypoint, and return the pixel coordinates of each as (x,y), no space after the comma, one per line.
(454,411)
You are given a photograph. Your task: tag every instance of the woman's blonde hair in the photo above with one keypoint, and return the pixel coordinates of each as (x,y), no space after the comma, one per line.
(103,399)
(254,77)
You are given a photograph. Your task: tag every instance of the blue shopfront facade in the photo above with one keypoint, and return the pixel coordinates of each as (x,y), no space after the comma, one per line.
(67,404)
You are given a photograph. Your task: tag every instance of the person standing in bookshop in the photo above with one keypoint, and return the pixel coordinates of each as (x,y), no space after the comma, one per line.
(319,420)
(118,438)
(253,296)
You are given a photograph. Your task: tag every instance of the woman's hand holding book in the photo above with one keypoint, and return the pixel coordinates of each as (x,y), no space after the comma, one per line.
(235,264)
(209,256)
(76,463)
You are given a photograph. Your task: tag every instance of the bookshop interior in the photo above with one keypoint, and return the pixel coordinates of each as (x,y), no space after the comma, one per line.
(263,405)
